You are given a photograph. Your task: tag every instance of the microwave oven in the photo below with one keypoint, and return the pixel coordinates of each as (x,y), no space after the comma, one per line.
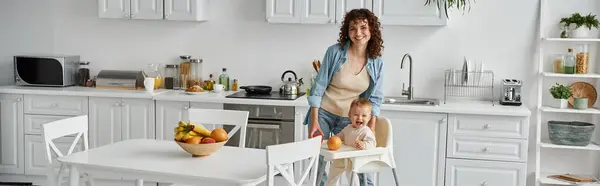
(37,70)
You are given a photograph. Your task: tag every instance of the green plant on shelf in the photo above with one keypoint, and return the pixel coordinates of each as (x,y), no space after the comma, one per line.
(559,91)
(578,20)
(465,5)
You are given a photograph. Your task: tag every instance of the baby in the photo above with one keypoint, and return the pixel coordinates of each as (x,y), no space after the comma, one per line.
(358,135)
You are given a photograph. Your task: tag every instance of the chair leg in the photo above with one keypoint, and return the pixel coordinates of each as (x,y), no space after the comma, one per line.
(395,176)
(352,179)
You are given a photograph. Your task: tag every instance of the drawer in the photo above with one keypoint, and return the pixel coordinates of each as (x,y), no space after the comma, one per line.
(56,105)
(488,126)
(33,123)
(488,148)
(484,173)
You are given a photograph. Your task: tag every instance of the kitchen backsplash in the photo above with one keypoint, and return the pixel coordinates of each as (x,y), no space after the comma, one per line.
(238,38)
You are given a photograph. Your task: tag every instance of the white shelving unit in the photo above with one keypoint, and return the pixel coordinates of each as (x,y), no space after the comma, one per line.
(547,39)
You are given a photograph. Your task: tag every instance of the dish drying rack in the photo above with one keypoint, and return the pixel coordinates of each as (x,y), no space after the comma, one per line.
(471,84)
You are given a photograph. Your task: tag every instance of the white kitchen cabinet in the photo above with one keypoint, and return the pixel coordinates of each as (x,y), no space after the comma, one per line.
(344,6)
(35,152)
(419,148)
(115,119)
(11,134)
(175,10)
(168,114)
(390,12)
(408,12)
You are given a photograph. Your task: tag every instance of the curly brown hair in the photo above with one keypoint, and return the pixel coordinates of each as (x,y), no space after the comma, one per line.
(375,45)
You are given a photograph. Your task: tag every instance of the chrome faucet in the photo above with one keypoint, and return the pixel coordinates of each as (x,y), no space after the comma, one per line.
(410,91)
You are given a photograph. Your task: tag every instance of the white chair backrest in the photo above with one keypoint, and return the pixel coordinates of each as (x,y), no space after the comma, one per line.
(214,117)
(383,132)
(64,127)
(279,156)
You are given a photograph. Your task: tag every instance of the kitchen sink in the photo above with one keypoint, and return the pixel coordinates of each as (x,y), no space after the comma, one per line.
(414,101)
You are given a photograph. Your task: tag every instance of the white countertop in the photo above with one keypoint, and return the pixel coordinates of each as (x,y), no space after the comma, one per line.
(456,107)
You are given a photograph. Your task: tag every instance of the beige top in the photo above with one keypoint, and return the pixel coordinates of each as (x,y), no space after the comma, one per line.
(350,135)
(343,89)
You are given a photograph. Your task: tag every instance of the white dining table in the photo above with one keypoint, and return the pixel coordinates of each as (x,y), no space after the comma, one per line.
(166,162)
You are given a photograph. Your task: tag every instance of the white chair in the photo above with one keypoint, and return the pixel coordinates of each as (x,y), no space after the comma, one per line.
(214,117)
(375,164)
(281,158)
(61,128)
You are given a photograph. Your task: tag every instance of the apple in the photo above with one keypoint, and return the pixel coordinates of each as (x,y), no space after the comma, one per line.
(207,140)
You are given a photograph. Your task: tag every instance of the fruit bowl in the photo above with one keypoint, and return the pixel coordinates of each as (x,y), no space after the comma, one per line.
(199,150)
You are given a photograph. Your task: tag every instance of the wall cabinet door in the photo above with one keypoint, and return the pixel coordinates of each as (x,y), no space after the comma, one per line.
(114,8)
(408,12)
(419,148)
(137,119)
(104,121)
(11,134)
(317,11)
(344,6)
(283,11)
(147,9)
(168,114)
(187,10)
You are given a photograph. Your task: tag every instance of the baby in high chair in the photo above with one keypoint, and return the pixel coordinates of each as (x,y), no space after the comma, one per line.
(358,135)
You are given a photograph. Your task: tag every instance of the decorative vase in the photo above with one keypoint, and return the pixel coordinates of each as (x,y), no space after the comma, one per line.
(581,32)
(561,103)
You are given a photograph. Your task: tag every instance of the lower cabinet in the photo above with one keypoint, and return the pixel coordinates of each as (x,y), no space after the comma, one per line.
(419,148)
(11,134)
(460,172)
(115,119)
(35,152)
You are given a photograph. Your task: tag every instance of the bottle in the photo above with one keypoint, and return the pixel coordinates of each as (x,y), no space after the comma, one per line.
(209,83)
(224,79)
(569,62)
(558,64)
(234,86)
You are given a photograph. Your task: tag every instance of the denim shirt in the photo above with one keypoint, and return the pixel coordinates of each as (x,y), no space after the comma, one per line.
(332,61)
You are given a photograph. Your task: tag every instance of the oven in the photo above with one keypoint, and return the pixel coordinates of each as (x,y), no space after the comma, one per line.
(267,125)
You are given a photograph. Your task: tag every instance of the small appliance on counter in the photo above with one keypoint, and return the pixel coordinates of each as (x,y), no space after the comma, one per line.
(120,79)
(46,70)
(511,91)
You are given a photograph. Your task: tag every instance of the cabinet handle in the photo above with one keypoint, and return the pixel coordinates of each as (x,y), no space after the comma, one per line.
(484,183)
(186,108)
(18,99)
(55,105)
(443,120)
(126,15)
(123,104)
(331,21)
(486,149)
(117,104)
(132,15)
(487,126)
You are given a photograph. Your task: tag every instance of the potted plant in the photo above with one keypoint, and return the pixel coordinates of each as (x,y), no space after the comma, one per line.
(561,94)
(458,4)
(582,24)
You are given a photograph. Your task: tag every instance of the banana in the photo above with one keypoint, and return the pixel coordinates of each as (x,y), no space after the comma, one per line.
(200,129)
(179,136)
(193,133)
(187,136)
(182,124)
(178,129)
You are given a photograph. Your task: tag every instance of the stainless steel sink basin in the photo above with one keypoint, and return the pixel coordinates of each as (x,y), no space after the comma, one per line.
(414,101)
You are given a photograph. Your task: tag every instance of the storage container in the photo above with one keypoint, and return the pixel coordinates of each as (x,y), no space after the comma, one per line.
(573,133)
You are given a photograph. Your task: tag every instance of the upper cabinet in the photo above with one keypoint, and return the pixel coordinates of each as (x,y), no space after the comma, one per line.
(177,10)
(390,12)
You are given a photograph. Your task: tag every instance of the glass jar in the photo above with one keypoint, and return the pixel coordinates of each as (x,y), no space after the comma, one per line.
(569,62)
(184,71)
(172,76)
(559,66)
(583,56)
(83,74)
(195,77)
(153,72)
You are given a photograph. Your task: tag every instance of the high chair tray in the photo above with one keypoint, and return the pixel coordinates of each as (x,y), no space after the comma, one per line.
(346,151)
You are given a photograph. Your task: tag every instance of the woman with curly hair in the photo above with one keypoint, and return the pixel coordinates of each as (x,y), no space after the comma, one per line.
(351,69)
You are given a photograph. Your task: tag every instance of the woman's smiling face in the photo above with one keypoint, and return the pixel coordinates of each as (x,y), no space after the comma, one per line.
(359,32)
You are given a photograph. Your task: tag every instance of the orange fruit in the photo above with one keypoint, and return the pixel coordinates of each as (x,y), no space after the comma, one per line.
(334,143)
(207,140)
(194,140)
(219,135)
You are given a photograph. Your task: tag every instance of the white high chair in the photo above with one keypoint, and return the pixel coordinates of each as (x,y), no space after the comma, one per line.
(368,161)
(61,128)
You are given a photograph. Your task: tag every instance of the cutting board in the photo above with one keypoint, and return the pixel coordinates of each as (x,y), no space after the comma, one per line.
(573,178)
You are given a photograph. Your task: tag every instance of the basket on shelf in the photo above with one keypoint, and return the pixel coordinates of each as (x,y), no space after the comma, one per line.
(573,133)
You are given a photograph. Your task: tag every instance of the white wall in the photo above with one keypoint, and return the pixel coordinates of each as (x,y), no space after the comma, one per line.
(501,33)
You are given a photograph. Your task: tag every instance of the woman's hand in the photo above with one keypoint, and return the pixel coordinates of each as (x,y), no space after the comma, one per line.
(314,123)
(359,144)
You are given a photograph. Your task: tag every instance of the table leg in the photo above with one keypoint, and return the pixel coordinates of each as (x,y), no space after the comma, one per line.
(139,182)
(73,176)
